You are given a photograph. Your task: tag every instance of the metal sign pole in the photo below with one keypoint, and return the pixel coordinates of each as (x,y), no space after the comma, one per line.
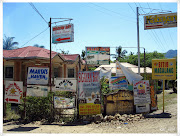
(163,93)
(138,40)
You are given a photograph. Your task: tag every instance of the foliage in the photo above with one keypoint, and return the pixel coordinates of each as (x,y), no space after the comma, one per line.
(8,43)
(92,68)
(105,86)
(40,46)
(83,54)
(64,52)
(121,54)
(10,114)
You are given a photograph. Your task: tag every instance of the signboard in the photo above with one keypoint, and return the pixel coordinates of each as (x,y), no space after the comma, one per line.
(38,75)
(141,92)
(142,108)
(153,99)
(37,90)
(63,102)
(160,21)
(98,55)
(164,69)
(120,95)
(13,91)
(63,33)
(66,84)
(118,83)
(89,109)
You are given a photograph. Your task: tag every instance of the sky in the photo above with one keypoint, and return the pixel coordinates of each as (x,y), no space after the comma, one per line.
(96,24)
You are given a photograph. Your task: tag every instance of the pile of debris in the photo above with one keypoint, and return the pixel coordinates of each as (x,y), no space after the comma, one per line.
(121,118)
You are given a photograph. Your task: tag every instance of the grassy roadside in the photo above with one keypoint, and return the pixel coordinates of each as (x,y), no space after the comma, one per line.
(169,99)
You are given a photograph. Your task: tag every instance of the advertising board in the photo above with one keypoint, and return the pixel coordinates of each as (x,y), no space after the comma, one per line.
(63,33)
(13,91)
(160,21)
(89,109)
(37,90)
(118,83)
(142,108)
(153,99)
(98,55)
(66,84)
(38,75)
(164,69)
(141,92)
(63,102)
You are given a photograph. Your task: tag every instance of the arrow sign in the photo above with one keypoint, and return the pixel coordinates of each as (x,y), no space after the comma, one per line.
(61,39)
(11,100)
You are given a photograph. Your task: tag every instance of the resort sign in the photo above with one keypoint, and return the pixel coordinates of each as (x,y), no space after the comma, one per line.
(164,69)
(63,33)
(160,21)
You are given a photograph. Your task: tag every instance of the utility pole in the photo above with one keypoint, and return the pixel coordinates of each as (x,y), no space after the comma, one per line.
(50,57)
(137,9)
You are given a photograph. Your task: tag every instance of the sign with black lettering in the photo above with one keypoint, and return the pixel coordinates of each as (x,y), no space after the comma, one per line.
(66,84)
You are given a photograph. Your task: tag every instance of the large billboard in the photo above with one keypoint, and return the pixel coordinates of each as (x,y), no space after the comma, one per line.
(63,33)
(164,69)
(160,21)
(98,55)
(38,75)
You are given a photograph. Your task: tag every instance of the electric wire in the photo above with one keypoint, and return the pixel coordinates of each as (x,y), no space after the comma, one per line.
(32,5)
(35,37)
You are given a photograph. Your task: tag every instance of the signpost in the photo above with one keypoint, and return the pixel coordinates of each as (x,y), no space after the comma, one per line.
(164,69)
(13,91)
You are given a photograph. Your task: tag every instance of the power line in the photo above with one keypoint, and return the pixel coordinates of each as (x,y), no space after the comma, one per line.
(32,5)
(35,36)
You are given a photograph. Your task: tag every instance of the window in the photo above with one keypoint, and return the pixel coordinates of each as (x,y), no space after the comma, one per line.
(56,72)
(70,72)
(8,72)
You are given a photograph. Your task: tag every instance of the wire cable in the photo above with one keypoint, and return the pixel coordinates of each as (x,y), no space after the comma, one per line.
(35,37)
(32,5)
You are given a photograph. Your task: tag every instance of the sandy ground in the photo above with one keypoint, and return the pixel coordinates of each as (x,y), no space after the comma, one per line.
(147,125)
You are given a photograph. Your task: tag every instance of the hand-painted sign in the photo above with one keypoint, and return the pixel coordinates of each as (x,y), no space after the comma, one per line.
(13,91)
(63,33)
(153,99)
(164,69)
(37,90)
(160,21)
(89,86)
(66,84)
(89,109)
(118,83)
(98,55)
(141,92)
(38,75)
(63,102)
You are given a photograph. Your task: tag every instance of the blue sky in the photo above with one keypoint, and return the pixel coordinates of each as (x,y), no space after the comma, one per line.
(95,24)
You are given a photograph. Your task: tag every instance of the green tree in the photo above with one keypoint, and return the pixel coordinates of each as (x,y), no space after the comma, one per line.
(83,54)
(121,54)
(40,46)
(8,43)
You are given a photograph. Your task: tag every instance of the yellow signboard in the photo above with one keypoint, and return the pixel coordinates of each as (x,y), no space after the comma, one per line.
(89,109)
(164,69)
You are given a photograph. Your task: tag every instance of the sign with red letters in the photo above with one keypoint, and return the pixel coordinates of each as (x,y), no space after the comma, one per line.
(13,91)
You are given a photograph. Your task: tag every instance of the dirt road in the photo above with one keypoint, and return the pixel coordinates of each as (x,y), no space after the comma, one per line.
(163,123)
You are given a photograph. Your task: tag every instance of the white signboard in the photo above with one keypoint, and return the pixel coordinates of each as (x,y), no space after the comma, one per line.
(142,108)
(62,102)
(37,90)
(13,91)
(89,86)
(160,21)
(66,84)
(141,92)
(63,33)
(98,55)
(38,75)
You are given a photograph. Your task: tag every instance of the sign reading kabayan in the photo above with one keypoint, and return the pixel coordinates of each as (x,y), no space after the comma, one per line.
(164,69)
(160,21)
(63,33)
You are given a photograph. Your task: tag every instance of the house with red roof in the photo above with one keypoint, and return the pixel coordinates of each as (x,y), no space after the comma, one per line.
(17,61)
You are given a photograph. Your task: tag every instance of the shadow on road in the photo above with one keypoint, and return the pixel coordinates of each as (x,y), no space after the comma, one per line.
(21,129)
(161,115)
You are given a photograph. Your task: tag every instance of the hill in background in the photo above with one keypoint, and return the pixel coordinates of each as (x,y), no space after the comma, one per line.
(171,54)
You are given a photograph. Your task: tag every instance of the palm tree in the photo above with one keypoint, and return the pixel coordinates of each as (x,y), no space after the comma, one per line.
(120,53)
(37,45)
(83,54)
(8,43)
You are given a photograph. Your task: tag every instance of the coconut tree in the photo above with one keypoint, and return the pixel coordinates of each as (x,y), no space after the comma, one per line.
(83,54)
(120,53)
(8,43)
(40,46)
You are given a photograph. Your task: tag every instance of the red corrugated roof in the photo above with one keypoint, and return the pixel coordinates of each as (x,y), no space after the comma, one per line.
(32,51)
